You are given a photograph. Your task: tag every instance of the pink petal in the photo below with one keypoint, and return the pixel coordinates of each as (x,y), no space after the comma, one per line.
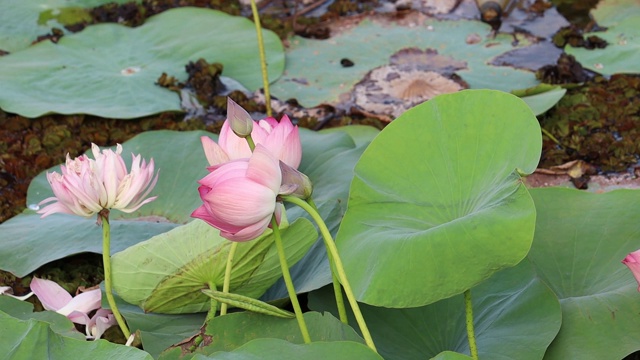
(241,202)
(264,169)
(632,261)
(235,147)
(213,152)
(202,214)
(248,233)
(52,296)
(84,303)
(78,317)
(100,322)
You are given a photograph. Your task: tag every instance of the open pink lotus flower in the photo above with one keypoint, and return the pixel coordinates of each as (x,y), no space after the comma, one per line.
(240,196)
(77,309)
(633,263)
(87,186)
(282,139)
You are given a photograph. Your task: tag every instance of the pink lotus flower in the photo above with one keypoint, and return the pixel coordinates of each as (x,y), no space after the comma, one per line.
(53,297)
(240,196)
(633,263)
(88,186)
(281,139)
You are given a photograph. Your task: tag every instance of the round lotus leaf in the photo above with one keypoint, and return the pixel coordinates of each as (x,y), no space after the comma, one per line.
(110,70)
(438,192)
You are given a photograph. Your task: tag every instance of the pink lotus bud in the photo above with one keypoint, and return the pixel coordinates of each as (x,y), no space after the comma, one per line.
(282,139)
(88,186)
(294,182)
(633,263)
(239,119)
(239,196)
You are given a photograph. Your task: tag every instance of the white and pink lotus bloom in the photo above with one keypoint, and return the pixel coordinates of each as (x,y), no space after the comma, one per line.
(633,263)
(77,309)
(87,186)
(239,196)
(282,139)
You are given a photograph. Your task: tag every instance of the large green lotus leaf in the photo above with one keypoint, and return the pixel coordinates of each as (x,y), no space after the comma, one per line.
(315,74)
(260,349)
(181,162)
(579,242)
(516,316)
(620,56)
(233,330)
(166,273)
(110,70)
(28,242)
(24,311)
(33,339)
(158,331)
(450,355)
(438,192)
(328,159)
(20,22)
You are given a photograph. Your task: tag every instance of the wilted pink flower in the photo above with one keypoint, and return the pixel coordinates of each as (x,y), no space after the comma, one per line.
(87,186)
(55,298)
(240,196)
(282,139)
(633,263)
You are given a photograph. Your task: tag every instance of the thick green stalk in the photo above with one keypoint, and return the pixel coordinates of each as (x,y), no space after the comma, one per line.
(288,282)
(333,250)
(106,261)
(469,319)
(337,288)
(227,276)
(263,57)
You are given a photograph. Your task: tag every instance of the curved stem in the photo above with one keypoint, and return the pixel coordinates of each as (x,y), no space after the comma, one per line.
(288,282)
(337,288)
(227,277)
(331,248)
(263,57)
(469,320)
(106,261)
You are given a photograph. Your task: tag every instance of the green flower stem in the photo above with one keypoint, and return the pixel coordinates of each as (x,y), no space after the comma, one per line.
(214,305)
(469,319)
(210,316)
(106,260)
(288,282)
(337,289)
(263,57)
(252,145)
(333,250)
(227,277)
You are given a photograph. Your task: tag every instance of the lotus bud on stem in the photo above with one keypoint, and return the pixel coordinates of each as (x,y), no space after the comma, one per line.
(239,119)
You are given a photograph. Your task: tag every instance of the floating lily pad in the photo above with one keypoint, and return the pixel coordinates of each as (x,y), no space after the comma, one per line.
(620,56)
(110,70)
(21,22)
(315,74)
(439,184)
